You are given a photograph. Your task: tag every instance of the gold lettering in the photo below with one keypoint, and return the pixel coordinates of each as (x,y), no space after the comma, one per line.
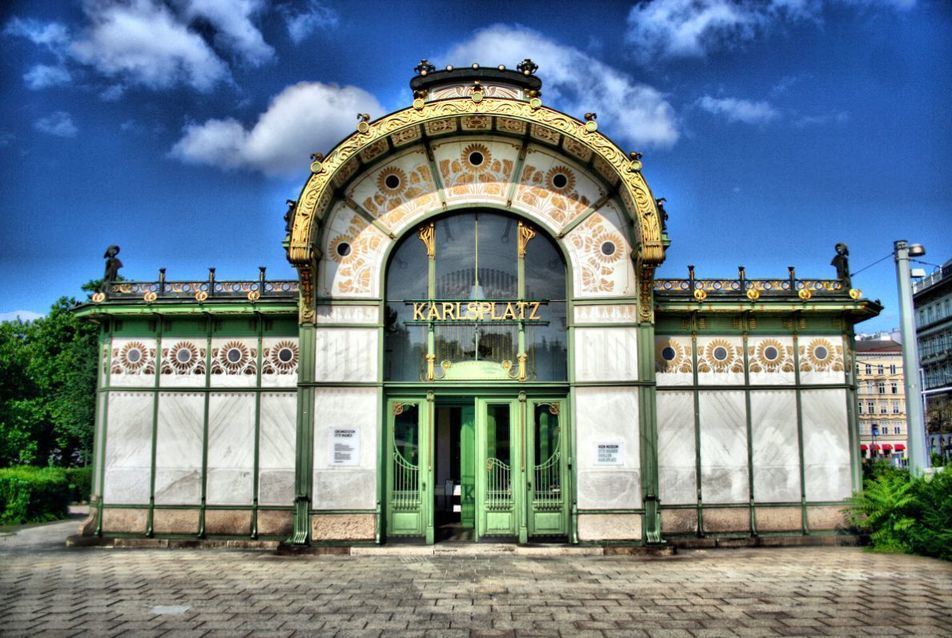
(535,309)
(494,316)
(522,309)
(434,313)
(510,312)
(484,308)
(418,311)
(449,311)
(472,310)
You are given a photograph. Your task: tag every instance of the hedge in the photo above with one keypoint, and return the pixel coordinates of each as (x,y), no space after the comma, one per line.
(32,494)
(907,514)
(80,481)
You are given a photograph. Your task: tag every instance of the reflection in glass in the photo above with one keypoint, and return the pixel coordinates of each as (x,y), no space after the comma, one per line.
(405,346)
(498,465)
(406,458)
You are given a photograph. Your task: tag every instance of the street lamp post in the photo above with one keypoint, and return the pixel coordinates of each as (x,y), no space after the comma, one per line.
(918,459)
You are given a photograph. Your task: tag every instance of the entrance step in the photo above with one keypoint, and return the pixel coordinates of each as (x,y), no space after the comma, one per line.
(478,549)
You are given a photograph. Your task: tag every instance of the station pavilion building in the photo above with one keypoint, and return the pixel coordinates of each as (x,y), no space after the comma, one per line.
(476,347)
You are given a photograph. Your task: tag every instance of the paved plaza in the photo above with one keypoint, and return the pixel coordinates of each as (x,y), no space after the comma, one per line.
(47,589)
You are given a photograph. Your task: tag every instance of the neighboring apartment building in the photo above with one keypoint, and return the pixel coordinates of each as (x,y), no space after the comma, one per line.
(880,398)
(932,297)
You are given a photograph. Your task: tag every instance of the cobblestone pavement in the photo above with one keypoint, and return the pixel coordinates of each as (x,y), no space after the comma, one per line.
(46,589)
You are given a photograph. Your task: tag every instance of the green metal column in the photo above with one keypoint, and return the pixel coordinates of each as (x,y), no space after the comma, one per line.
(648,410)
(467,466)
(304,441)
(849,363)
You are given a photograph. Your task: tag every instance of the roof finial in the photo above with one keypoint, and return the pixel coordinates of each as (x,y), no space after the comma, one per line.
(424,67)
(527,67)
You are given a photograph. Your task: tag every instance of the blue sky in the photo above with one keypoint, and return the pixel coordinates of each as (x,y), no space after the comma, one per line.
(177,129)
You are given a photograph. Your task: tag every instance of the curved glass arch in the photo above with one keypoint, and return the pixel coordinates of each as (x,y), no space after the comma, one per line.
(475,295)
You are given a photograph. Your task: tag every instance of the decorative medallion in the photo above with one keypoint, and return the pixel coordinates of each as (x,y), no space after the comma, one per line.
(672,356)
(133,356)
(821,355)
(560,179)
(720,355)
(339,248)
(770,355)
(281,358)
(184,357)
(476,157)
(391,181)
(234,357)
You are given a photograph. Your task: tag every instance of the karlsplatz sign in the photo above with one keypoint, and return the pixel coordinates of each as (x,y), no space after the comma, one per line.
(523,310)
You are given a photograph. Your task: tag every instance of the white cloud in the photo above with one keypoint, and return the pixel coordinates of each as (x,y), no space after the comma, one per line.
(59,123)
(694,28)
(738,110)
(576,83)
(303,118)
(146,44)
(232,20)
(21,315)
(52,35)
(41,76)
(836,117)
(315,16)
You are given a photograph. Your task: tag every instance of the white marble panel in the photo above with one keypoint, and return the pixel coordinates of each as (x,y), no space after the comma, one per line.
(607,415)
(606,354)
(353,486)
(723,447)
(346,354)
(276,448)
(601,256)
(539,193)
(489,181)
(280,359)
(132,362)
(606,313)
(720,360)
(826,452)
(330,314)
(234,362)
(770,360)
(821,359)
(183,362)
(178,450)
(354,250)
(98,459)
(674,363)
(773,420)
(231,448)
(677,472)
(413,193)
(128,448)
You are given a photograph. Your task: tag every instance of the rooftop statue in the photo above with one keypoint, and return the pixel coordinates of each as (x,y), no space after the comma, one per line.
(112,267)
(842,264)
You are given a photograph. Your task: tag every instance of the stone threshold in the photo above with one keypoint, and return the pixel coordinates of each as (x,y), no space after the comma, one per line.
(669,548)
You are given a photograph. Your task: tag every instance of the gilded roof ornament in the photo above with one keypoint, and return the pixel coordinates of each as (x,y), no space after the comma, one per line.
(527,67)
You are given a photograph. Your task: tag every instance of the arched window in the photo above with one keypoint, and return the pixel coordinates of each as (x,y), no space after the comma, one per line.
(475,295)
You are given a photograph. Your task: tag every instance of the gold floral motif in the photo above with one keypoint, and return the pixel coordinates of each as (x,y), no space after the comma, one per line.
(234,357)
(720,355)
(526,233)
(820,355)
(134,358)
(597,267)
(770,355)
(281,358)
(392,181)
(671,356)
(560,204)
(354,274)
(183,358)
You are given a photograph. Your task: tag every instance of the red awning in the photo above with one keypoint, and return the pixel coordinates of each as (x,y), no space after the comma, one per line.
(863,447)
(875,447)
(900,447)
(887,447)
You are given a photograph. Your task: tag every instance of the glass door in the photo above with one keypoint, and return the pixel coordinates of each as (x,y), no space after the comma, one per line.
(498,477)
(409,469)
(548,470)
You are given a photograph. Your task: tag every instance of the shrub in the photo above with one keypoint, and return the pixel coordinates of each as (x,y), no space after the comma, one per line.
(31,494)
(80,481)
(905,514)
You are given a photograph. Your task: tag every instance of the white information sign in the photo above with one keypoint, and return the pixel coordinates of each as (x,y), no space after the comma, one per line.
(345,449)
(609,453)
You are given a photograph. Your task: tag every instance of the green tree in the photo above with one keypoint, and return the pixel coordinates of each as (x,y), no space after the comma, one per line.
(47,388)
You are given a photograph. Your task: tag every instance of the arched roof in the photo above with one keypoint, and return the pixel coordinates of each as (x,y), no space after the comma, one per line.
(577,139)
